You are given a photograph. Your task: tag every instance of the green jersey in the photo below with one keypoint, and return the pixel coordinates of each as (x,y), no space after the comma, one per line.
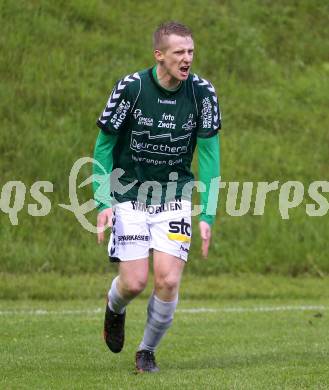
(157,131)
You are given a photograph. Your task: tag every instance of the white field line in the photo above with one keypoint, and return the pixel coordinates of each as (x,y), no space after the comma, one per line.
(252,309)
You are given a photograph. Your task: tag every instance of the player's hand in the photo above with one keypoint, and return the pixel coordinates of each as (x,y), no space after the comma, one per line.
(104,219)
(205,233)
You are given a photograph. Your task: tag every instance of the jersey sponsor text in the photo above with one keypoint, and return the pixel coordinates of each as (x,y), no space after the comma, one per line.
(179,231)
(120,113)
(133,237)
(171,206)
(168,145)
(153,161)
(206,113)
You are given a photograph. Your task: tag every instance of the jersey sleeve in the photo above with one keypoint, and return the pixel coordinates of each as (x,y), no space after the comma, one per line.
(118,106)
(209,115)
(102,168)
(209,170)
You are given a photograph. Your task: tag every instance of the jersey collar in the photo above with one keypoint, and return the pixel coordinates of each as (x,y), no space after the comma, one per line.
(154,78)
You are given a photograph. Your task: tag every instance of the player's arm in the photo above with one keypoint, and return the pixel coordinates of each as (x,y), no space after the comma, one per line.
(209,122)
(208,169)
(111,122)
(102,167)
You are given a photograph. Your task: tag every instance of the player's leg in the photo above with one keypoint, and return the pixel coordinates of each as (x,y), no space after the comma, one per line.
(129,245)
(162,304)
(161,307)
(171,234)
(131,281)
(168,271)
(127,285)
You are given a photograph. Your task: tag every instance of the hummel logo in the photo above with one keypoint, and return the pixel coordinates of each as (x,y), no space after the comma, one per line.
(166,101)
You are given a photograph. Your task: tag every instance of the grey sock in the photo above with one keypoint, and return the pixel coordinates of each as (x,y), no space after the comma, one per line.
(160,315)
(116,302)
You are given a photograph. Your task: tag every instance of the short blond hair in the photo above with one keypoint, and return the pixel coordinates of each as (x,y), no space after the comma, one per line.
(169,28)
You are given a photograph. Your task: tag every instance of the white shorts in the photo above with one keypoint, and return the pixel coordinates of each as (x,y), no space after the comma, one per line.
(138,228)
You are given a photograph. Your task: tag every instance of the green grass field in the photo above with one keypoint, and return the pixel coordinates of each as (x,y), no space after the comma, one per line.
(247,332)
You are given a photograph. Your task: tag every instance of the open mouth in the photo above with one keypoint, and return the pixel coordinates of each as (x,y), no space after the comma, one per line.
(184,70)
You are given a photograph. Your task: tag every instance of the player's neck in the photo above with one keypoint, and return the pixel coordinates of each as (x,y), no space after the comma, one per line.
(164,79)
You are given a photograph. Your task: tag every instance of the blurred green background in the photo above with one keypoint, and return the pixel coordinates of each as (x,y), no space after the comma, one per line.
(270,66)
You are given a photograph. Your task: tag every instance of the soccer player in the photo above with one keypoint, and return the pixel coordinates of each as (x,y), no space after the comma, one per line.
(149,129)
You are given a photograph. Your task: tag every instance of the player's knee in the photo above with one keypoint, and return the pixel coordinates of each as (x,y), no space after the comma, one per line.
(134,287)
(168,283)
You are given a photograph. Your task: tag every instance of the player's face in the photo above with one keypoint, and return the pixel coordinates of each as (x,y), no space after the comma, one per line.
(177,56)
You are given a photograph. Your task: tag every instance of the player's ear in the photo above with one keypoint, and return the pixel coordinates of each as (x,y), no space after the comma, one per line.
(158,55)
